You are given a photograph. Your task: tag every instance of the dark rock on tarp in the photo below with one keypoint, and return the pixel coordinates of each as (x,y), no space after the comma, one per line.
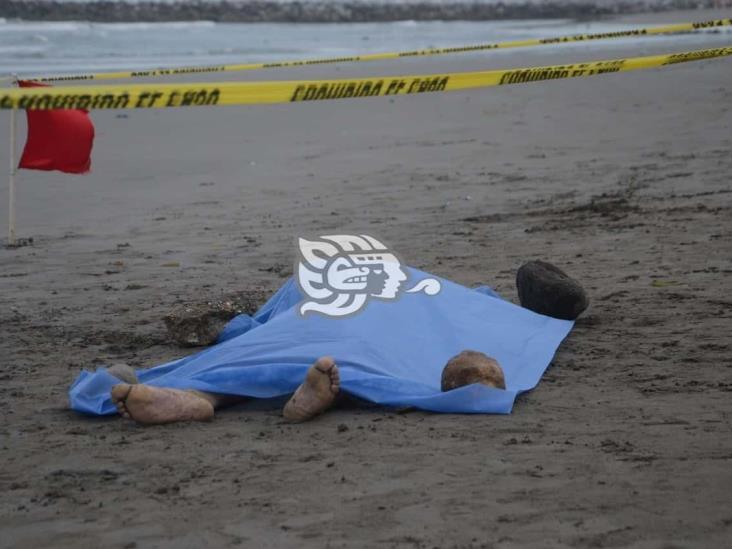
(547,290)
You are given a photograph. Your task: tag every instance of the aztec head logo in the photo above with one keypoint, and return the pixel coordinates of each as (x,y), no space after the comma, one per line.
(339,274)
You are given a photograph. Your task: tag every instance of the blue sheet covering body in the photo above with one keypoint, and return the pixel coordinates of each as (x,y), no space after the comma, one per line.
(391,353)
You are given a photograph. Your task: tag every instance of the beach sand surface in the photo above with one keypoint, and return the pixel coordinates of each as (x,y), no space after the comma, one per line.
(622,180)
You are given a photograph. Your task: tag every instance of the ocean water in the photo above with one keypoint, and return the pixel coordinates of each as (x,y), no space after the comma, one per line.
(68,47)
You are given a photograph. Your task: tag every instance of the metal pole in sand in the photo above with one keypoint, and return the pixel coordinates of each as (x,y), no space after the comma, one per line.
(11,182)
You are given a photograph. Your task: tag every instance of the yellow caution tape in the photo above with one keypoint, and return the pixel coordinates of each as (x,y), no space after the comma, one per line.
(666,29)
(145,96)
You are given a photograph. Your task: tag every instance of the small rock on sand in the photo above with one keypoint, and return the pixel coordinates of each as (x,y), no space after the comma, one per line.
(123,372)
(547,290)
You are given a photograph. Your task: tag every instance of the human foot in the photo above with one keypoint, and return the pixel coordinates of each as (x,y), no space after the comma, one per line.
(317,392)
(154,405)
(547,290)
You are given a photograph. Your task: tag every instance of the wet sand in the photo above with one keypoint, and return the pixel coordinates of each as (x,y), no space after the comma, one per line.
(623,180)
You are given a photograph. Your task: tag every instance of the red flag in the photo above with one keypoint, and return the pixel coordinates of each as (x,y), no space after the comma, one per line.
(58,139)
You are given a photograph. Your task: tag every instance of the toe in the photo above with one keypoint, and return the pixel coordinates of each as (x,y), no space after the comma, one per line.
(120,392)
(325,364)
(122,409)
(335,376)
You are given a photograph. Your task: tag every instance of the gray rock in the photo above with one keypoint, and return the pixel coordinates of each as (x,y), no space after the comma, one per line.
(547,290)
(123,372)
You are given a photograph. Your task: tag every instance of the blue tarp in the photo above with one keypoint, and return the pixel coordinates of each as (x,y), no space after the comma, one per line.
(391,353)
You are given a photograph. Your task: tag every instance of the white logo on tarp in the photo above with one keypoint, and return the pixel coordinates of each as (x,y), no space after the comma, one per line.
(340,273)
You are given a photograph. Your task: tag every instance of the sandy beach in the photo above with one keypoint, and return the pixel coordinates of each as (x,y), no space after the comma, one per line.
(622,180)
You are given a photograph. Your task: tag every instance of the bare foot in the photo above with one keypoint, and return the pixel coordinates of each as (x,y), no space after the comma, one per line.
(317,392)
(154,405)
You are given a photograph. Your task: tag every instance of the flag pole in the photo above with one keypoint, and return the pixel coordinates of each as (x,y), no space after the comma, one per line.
(11,182)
